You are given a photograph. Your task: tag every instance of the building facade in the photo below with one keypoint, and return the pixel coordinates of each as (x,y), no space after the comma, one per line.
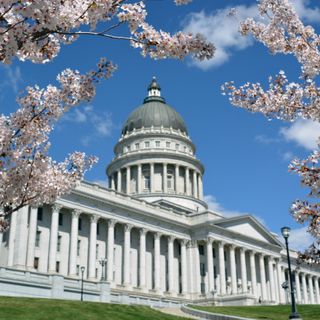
(149,238)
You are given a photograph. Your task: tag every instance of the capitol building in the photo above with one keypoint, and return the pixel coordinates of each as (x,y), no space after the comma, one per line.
(149,238)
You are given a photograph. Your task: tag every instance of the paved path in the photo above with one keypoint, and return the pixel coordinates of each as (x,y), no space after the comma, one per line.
(176,312)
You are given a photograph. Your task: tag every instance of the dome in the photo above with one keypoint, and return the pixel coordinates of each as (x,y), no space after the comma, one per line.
(154,112)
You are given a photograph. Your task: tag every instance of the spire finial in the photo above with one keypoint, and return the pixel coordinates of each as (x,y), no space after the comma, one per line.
(154,89)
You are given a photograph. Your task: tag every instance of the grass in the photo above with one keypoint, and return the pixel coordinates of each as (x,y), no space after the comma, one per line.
(12,308)
(307,312)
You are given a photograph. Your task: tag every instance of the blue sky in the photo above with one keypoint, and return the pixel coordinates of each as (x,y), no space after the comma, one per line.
(245,155)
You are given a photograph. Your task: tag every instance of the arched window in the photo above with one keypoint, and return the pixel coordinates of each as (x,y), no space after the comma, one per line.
(170,181)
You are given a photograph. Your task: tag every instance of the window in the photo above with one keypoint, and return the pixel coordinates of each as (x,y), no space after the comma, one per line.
(213,252)
(37,243)
(36,263)
(170,181)
(98,228)
(40,214)
(59,243)
(168,145)
(60,219)
(58,266)
(177,146)
(201,250)
(78,247)
(96,272)
(137,146)
(78,269)
(185,149)
(202,269)
(157,144)
(128,148)
(80,224)
(97,250)
(147,144)
(147,182)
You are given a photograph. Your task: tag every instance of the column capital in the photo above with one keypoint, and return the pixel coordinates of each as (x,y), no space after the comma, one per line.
(210,240)
(221,243)
(171,238)
(56,207)
(143,231)
(94,218)
(192,243)
(184,242)
(128,227)
(112,222)
(76,213)
(157,235)
(243,250)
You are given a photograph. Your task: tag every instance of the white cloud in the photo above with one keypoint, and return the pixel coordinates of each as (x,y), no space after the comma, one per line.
(222,29)
(12,78)
(265,139)
(299,239)
(310,15)
(287,156)
(304,133)
(101,123)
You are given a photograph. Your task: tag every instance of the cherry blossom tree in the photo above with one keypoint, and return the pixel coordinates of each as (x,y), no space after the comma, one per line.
(281,31)
(36,30)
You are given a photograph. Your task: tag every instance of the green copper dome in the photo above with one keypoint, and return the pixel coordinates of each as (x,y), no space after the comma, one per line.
(154,112)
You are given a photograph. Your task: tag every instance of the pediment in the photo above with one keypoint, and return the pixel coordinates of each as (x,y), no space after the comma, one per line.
(172,206)
(249,227)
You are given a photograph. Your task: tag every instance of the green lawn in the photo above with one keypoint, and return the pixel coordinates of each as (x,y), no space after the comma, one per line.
(45,309)
(306,312)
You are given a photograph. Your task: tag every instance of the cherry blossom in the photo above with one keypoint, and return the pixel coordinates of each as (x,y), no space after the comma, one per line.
(281,31)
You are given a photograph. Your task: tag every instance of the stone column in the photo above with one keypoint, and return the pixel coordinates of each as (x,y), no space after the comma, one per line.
(244,280)
(157,285)
(304,289)
(74,242)
(187,181)
(111,224)
(184,266)
(32,237)
(298,289)
(253,274)
(271,279)
(316,285)
(197,267)
(128,179)
(176,178)
(139,182)
(142,259)
(222,270)
(200,187)
(210,266)
(12,236)
(170,264)
(54,237)
(164,180)
(126,257)
(92,246)
(311,293)
(152,177)
(233,269)
(280,281)
(195,184)
(113,187)
(263,278)
(119,179)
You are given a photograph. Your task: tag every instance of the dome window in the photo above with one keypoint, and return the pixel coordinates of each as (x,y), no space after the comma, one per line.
(137,146)
(157,144)
(168,145)
(147,144)
(177,146)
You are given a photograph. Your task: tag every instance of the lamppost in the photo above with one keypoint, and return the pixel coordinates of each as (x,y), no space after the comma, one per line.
(103,262)
(82,272)
(294,312)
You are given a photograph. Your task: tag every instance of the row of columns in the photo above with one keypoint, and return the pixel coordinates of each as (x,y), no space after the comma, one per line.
(307,290)
(194,188)
(110,248)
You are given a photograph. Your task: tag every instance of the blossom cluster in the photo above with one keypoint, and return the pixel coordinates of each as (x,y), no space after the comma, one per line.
(28,175)
(281,31)
(35,30)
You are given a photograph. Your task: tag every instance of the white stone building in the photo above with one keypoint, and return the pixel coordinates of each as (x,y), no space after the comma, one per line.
(161,243)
